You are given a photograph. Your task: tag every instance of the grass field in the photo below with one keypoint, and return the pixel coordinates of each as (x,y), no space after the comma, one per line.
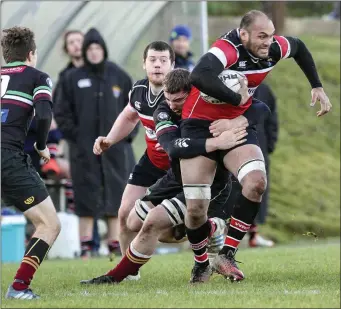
(305,167)
(297,276)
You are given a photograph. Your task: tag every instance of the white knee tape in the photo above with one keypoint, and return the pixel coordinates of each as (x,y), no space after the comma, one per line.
(197,192)
(141,209)
(247,167)
(176,210)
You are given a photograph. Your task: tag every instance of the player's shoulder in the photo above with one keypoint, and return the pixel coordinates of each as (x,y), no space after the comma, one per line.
(232,37)
(142,83)
(280,47)
(39,77)
(162,112)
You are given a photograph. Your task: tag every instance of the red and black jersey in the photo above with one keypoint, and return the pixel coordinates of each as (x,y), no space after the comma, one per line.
(145,103)
(22,87)
(232,54)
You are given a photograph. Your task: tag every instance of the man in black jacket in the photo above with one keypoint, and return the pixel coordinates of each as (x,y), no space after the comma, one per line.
(90,100)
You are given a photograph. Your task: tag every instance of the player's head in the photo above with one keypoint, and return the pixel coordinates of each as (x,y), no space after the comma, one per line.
(176,87)
(180,39)
(256,33)
(73,40)
(158,60)
(18,44)
(94,49)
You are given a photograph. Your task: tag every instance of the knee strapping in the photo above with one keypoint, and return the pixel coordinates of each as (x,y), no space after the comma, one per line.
(176,210)
(197,192)
(249,166)
(141,209)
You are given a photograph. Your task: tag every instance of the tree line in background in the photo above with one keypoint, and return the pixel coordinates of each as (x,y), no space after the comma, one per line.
(292,8)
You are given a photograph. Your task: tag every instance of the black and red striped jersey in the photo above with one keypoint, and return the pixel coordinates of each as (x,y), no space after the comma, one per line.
(233,55)
(145,103)
(22,87)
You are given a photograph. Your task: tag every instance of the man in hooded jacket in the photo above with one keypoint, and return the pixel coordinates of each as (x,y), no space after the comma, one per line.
(90,100)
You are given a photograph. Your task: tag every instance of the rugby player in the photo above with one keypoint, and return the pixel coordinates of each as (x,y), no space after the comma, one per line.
(163,207)
(26,91)
(253,49)
(146,94)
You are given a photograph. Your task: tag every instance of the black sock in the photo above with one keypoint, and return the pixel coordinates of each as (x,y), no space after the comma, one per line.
(243,215)
(198,239)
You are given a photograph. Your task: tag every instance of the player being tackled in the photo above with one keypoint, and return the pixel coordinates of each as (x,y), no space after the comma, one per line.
(161,210)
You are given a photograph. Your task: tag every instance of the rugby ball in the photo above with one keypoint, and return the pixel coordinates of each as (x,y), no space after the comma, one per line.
(230,78)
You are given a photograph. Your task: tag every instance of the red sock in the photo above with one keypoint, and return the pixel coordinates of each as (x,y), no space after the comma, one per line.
(35,253)
(129,265)
(25,273)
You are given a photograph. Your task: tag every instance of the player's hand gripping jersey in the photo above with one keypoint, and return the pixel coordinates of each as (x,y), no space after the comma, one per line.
(145,103)
(232,54)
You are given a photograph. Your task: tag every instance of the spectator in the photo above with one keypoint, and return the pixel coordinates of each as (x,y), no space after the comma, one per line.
(335,14)
(90,100)
(180,40)
(72,46)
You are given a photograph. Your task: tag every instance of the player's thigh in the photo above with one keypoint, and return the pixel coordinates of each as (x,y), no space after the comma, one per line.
(44,214)
(198,170)
(237,157)
(157,220)
(130,195)
(138,215)
(21,185)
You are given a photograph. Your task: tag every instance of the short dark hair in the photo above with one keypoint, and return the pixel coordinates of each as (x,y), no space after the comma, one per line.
(66,35)
(17,43)
(177,80)
(159,46)
(249,18)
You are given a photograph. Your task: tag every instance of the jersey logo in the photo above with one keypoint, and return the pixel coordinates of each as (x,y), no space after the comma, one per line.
(4,115)
(116,90)
(29,201)
(137,105)
(242,64)
(181,142)
(84,83)
(162,116)
(151,134)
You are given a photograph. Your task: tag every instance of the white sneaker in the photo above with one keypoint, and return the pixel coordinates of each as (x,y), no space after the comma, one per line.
(133,278)
(259,241)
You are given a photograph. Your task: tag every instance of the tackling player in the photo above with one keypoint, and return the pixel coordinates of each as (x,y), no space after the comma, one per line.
(167,195)
(158,60)
(254,50)
(26,91)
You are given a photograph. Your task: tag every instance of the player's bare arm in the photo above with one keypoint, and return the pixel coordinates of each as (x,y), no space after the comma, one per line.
(123,126)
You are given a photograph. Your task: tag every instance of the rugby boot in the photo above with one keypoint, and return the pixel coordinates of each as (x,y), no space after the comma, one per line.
(105,279)
(216,240)
(225,264)
(26,294)
(200,274)
(135,277)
